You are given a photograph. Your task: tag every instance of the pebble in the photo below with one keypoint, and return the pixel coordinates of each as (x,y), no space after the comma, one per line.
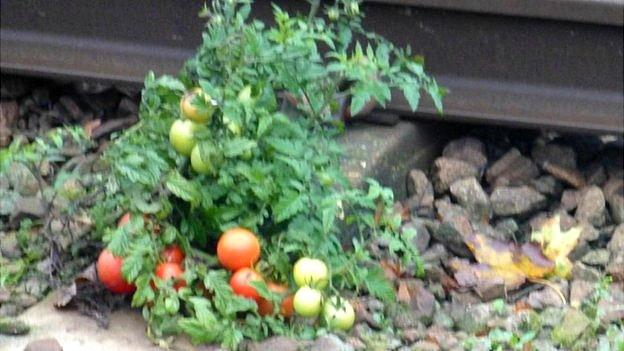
(471,196)
(598,257)
(447,170)
(560,155)
(516,201)
(591,207)
(48,344)
(511,169)
(467,149)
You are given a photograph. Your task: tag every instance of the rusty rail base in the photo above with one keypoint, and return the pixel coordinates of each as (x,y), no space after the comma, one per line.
(520,65)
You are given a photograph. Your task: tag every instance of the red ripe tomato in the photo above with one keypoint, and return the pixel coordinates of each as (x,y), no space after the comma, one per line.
(265,307)
(169,270)
(123,220)
(173,254)
(109,273)
(240,283)
(238,248)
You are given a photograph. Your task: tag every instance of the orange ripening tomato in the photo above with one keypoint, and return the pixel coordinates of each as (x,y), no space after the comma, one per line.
(265,307)
(123,220)
(173,254)
(109,273)
(240,283)
(169,270)
(238,248)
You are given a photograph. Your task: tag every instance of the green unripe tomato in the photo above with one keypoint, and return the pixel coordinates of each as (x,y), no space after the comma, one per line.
(339,313)
(307,302)
(311,272)
(324,178)
(199,165)
(192,112)
(181,136)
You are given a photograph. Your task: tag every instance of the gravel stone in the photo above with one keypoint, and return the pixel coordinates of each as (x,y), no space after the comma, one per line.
(470,195)
(472,319)
(422,237)
(281,343)
(581,271)
(616,266)
(547,185)
(574,324)
(560,155)
(447,170)
(454,227)
(22,180)
(598,257)
(616,243)
(511,169)
(467,149)
(516,201)
(9,246)
(48,344)
(591,207)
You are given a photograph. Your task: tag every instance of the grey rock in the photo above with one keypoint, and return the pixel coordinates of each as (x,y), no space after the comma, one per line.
(591,207)
(581,271)
(356,343)
(445,338)
(552,316)
(470,195)
(570,199)
(616,243)
(516,201)
(24,300)
(329,342)
(281,343)
(447,170)
(543,345)
(418,185)
(508,227)
(8,199)
(574,324)
(437,289)
(598,257)
(424,345)
(9,246)
(454,227)
(472,318)
(36,286)
(467,149)
(411,335)
(9,309)
(547,297)
(29,206)
(422,237)
(48,344)
(616,266)
(443,319)
(435,254)
(421,305)
(595,174)
(547,185)
(22,180)
(560,155)
(612,305)
(511,169)
(489,231)
(4,181)
(579,291)
(614,194)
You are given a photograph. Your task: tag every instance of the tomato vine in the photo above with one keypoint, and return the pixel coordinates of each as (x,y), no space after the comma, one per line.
(276,92)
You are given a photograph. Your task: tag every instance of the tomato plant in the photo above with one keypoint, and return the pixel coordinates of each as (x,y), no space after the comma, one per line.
(197,106)
(267,159)
(240,283)
(109,273)
(238,248)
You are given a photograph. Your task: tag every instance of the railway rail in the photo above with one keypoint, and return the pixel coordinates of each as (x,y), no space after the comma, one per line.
(541,63)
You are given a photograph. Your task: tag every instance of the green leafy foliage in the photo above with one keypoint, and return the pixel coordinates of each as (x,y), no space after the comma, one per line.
(273,143)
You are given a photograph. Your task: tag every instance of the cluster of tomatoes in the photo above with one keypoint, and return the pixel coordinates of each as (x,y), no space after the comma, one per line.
(238,250)
(109,267)
(196,109)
